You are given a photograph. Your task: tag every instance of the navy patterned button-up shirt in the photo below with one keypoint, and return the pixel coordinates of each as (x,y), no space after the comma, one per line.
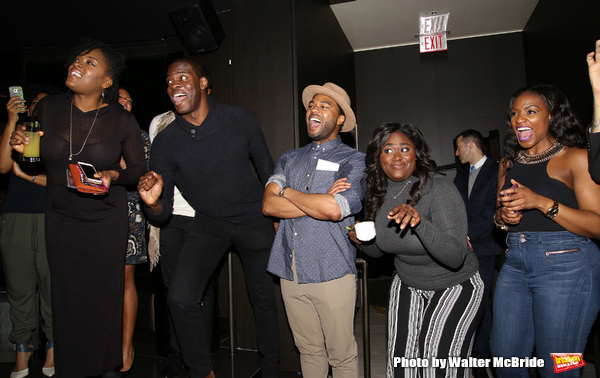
(322,249)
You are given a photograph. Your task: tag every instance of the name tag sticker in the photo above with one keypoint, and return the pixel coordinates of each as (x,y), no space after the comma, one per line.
(324,165)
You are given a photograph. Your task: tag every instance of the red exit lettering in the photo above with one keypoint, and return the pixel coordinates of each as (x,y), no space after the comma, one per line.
(432,43)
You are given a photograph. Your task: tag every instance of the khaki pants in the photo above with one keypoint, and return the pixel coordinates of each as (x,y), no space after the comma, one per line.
(321,316)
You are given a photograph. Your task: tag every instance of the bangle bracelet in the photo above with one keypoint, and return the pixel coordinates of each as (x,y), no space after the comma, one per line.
(553,211)
(500,224)
(283,190)
(33,178)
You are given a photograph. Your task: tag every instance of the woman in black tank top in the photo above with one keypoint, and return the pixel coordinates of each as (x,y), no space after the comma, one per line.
(548,292)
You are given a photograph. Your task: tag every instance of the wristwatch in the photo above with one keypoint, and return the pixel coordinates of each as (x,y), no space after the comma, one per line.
(553,211)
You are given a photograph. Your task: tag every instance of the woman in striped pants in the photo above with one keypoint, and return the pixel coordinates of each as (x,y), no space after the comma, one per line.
(420,217)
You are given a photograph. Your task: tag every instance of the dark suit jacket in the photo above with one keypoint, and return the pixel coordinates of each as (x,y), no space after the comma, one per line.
(484,235)
(594,155)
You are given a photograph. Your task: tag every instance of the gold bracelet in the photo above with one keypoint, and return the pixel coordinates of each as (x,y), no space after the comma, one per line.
(553,211)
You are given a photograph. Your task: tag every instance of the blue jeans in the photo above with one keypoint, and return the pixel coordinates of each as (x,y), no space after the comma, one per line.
(547,296)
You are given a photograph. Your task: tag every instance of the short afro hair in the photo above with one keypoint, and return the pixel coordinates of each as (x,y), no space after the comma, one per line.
(114,60)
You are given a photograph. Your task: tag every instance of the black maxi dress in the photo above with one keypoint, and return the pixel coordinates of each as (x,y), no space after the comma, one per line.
(86,235)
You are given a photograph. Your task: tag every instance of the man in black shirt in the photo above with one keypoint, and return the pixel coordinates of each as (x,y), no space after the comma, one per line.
(205,152)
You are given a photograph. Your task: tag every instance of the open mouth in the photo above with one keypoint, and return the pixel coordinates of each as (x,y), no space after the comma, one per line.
(75,73)
(314,122)
(178,98)
(524,133)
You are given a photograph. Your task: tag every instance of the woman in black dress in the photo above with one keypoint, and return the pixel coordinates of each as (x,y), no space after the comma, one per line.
(86,234)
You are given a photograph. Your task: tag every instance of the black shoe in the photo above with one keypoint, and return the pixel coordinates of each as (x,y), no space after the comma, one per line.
(172,369)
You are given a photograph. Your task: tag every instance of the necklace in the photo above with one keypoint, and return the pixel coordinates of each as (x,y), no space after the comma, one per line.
(546,155)
(310,177)
(401,190)
(71,154)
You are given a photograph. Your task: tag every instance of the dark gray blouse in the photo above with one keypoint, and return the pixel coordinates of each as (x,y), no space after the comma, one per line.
(435,254)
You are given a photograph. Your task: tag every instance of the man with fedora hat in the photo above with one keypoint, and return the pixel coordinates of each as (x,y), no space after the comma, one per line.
(314,191)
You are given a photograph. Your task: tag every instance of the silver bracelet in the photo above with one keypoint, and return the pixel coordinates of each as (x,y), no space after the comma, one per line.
(33,178)
(500,224)
(283,190)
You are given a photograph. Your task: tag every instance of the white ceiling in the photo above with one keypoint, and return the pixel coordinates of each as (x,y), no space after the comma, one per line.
(375,24)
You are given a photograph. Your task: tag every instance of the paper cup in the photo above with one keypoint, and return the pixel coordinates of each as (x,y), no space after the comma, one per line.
(365,231)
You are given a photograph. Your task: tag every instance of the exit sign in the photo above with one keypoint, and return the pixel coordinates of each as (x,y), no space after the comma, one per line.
(433,34)
(435,42)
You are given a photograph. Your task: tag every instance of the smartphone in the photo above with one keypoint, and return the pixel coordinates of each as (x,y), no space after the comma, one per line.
(16,91)
(514,186)
(88,173)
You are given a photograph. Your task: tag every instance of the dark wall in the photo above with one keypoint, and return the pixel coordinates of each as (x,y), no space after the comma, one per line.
(217,62)
(442,93)
(323,54)
(144,79)
(558,36)
(263,68)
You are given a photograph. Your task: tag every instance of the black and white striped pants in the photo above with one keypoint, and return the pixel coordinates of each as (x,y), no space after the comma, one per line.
(432,326)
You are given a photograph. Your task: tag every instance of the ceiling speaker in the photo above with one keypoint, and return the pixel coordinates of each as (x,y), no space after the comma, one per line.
(198,27)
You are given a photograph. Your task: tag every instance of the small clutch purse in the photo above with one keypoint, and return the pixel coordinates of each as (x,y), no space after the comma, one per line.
(76,180)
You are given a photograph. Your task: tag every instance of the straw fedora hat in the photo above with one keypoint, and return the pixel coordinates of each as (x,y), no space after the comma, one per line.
(338,94)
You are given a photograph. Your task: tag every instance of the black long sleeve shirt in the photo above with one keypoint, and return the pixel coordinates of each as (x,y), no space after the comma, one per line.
(211,166)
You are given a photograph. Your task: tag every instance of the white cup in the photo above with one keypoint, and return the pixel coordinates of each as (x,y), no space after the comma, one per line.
(365,231)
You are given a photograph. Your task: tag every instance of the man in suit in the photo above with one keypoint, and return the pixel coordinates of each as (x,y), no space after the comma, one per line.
(478,185)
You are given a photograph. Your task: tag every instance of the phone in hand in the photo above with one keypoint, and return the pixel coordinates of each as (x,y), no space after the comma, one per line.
(514,186)
(16,91)
(88,173)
